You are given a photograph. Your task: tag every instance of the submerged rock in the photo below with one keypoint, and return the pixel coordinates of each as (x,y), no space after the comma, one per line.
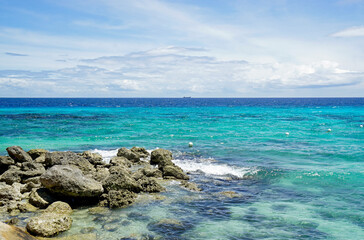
(190,186)
(55,219)
(130,155)
(18,154)
(8,232)
(69,181)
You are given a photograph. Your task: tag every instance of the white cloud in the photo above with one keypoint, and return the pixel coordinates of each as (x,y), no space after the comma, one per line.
(350,32)
(172,72)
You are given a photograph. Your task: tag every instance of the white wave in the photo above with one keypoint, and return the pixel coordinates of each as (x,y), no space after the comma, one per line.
(106,154)
(214,169)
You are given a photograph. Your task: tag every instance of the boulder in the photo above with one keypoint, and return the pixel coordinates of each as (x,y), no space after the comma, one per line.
(32,169)
(41,198)
(68,158)
(8,192)
(142,152)
(118,199)
(36,153)
(161,157)
(68,180)
(120,179)
(120,161)
(12,175)
(55,219)
(150,185)
(8,232)
(18,154)
(93,158)
(173,171)
(132,156)
(5,162)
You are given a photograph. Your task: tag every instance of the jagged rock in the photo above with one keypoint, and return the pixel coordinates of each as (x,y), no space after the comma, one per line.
(12,175)
(18,154)
(142,152)
(120,179)
(150,185)
(118,199)
(55,219)
(8,232)
(40,159)
(161,157)
(151,172)
(120,161)
(26,207)
(34,180)
(132,156)
(41,198)
(32,169)
(190,186)
(101,174)
(5,162)
(8,192)
(93,158)
(68,158)
(68,180)
(173,171)
(36,153)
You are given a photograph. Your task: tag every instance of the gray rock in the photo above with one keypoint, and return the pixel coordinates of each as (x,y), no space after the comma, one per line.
(8,192)
(35,153)
(55,219)
(12,175)
(68,180)
(6,161)
(93,158)
(190,186)
(120,179)
(119,199)
(142,152)
(18,154)
(32,169)
(120,161)
(41,198)
(173,171)
(8,232)
(150,185)
(132,156)
(101,174)
(161,157)
(69,158)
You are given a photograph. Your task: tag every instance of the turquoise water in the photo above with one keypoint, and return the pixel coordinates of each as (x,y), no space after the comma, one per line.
(305,185)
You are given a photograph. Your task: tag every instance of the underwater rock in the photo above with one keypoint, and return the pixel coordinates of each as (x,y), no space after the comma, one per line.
(142,152)
(230,194)
(160,156)
(190,186)
(18,154)
(68,158)
(68,180)
(8,232)
(132,156)
(55,219)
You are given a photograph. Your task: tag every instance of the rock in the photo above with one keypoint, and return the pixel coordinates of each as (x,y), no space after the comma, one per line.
(160,156)
(18,154)
(120,179)
(150,185)
(230,194)
(55,219)
(12,175)
(132,156)
(26,207)
(35,180)
(36,153)
(98,210)
(8,192)
(101,174)
(142,152)
(93,158)
(68,158)
(8,232)
(118,199)
(111,227)
(120,161)
(32,169)
(173,171)
(151,172)
(69,181)
(40,159)
(190,186)
(6,161)
(12,221)
(41,198)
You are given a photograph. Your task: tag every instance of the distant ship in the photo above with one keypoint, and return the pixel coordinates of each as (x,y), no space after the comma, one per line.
(187,97)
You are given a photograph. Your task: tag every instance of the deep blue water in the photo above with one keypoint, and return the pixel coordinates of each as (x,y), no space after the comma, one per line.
(308,184)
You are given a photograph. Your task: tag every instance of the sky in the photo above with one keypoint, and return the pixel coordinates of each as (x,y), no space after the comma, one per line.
(197,48)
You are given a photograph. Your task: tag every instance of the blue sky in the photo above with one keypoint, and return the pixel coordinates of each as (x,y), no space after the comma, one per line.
(199,48)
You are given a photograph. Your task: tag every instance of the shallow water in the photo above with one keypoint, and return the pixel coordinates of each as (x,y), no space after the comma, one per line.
(305,185)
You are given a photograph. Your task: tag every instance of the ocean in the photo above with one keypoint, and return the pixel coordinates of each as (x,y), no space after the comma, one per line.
(293,167)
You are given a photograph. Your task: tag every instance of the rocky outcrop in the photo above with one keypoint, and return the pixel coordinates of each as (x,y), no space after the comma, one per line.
(128,154)
(12,175)
(5,162)
(119,199)
(120,161)
(163,158)
(8,232)
(55,219)
(18,154)
(68,158)
(142,152)
(36,153)
(69,181)
(93,158)
(160,157)
(121,179)
(173,171)
(150,185)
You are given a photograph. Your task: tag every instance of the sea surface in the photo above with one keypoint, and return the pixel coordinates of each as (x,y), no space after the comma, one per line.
(308,184)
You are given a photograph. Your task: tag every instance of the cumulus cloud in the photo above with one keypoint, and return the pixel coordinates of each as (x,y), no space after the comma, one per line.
(350,32)
(173,72)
